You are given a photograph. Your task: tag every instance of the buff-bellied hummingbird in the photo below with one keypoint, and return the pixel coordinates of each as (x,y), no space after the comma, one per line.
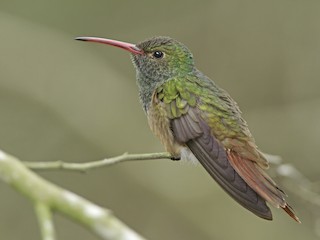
(195,119)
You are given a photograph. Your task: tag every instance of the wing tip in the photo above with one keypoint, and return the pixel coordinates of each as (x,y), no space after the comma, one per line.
(265,216)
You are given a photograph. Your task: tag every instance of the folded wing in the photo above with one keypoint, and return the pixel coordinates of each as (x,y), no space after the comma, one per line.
(191,130)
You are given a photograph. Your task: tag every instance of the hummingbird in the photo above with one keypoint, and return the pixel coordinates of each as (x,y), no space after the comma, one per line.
(196,119)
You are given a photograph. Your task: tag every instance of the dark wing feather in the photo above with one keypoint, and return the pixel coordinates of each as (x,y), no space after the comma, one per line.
(190,129)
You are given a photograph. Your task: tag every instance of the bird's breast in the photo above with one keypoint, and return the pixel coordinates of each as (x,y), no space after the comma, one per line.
(160,126)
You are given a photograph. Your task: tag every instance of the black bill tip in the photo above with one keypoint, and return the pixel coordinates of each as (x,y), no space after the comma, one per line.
(81,39)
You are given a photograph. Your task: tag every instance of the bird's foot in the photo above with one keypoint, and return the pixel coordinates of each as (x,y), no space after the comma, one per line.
(175,158)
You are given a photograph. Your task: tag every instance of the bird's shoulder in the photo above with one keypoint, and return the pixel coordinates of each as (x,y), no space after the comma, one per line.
(197,90)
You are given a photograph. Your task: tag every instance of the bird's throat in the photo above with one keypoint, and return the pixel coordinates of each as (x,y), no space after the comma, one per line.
(146,88)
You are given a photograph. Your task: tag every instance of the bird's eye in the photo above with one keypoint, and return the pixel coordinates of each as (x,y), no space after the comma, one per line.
(158,54)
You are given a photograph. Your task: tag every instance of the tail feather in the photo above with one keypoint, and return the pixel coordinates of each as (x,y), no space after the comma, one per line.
(291,213)
(260,182)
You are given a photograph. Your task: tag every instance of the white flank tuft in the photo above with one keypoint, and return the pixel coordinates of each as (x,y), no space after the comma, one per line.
(187,155)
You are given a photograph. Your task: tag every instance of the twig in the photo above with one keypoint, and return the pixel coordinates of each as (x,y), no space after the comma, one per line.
(49,196)
(296,179)
(298,184)
(45,221)
(56,165)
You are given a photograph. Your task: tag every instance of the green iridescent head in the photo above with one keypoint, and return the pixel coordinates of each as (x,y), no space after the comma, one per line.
(162,57)
(155,58)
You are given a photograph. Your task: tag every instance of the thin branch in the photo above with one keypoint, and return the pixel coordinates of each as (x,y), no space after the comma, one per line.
(50,196)
(57,165)
(298,184)
(293,179)
(45,221)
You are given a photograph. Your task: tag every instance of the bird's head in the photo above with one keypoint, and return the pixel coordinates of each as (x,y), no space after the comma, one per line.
(156,58)
(163,57)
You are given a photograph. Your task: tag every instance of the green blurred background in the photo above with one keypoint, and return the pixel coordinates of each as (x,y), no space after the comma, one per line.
(75,101)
